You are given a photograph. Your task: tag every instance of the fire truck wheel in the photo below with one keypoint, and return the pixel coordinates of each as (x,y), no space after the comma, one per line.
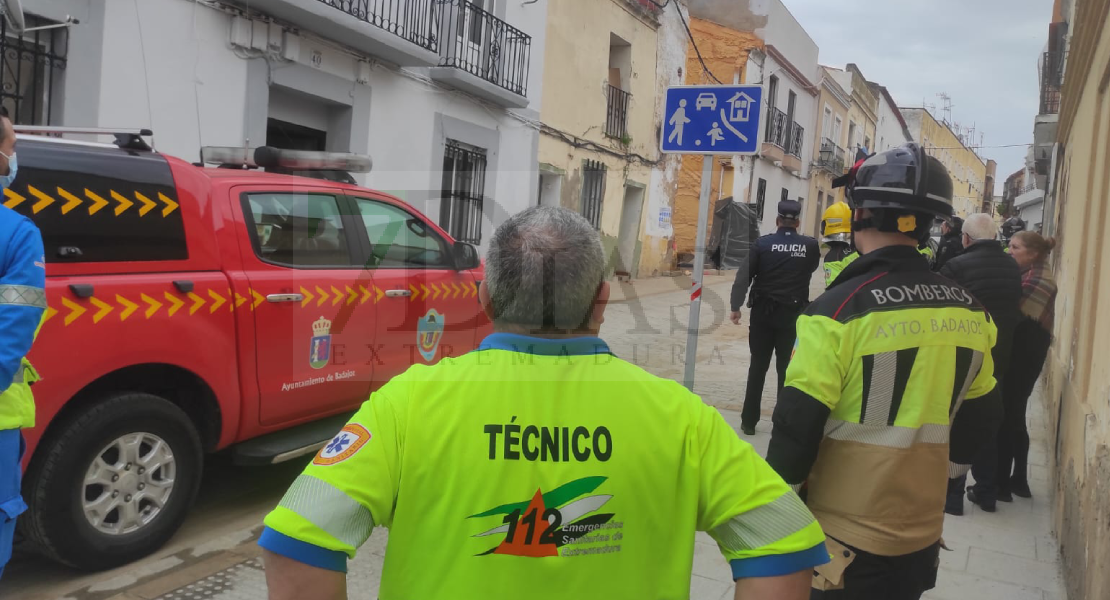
(114,482)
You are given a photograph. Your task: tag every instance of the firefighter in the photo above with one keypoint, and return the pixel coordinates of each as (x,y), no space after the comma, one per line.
(780,265)
(22,303)
(891,375)
(836,234)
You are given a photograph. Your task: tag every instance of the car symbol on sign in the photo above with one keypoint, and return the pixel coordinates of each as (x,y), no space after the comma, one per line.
(706,100)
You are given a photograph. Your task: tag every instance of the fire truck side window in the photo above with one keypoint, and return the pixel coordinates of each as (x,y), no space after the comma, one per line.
(399,239)
(299,230)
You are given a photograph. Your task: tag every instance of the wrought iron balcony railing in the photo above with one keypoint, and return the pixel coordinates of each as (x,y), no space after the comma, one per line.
(776,128)
(416,21)
(483,45)
(1051,70)
(795,140)
(831,156)
(616,112)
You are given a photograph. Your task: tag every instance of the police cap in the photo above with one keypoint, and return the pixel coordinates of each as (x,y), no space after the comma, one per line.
(790,209)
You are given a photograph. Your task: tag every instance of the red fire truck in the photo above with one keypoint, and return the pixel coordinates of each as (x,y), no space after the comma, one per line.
(195,310)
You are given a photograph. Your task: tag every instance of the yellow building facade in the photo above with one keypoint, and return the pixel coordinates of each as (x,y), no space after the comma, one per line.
(1076,375)
(863,114)
(830,156)
(598,141)
(967,169)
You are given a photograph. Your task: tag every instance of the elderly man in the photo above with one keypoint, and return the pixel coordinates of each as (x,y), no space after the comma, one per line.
(994,278)
(539,465)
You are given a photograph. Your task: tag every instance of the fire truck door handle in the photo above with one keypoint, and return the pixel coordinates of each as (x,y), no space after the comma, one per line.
(398,293)
(183,285)
(284,298)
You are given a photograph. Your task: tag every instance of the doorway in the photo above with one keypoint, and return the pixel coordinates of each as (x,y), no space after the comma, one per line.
(290,136)
(631,218)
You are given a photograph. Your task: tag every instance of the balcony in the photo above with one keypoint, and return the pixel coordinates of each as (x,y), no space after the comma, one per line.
(616,112)
(794,140)
(830,157)
(1051,70)
(403,32)
(774,139)
(482,54)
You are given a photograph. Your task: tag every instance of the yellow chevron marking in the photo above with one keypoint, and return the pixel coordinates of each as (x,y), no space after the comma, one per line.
(104,307)
(50,312)
(154,305)
(365,293)
(148,204)
(352,296)
(75,310)
(217,301)
(258,299)
(97,202)
(175,303)
(322,296)
(13,199)
(170,204)
(307,297)
(72,201)
(337,296)
(198,302)
(44,199)
(124,203)
(129,307)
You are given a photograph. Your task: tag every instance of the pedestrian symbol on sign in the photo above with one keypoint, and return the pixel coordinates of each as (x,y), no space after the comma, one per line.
(678,121)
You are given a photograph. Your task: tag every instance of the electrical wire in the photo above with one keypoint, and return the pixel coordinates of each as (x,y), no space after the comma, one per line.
(693,42)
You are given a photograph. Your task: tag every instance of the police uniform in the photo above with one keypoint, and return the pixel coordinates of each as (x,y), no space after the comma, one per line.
(891,377)
(22,303)
(781,266)
(546,469)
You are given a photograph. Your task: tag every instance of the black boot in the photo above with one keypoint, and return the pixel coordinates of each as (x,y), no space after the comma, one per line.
(954,500)
(982,499)
(1020,488)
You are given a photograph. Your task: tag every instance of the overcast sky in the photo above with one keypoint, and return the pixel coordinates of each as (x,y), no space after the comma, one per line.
(983,53)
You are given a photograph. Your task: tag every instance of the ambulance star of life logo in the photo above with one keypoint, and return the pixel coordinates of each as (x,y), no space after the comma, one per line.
(320,350)
(549,522)
(344,445)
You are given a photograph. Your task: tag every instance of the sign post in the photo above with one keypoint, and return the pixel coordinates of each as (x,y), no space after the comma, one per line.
(708,120)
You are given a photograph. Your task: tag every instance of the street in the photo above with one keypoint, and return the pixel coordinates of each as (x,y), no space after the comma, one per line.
(1007,555)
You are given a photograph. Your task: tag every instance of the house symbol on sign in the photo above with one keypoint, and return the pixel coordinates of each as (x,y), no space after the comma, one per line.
(741,104)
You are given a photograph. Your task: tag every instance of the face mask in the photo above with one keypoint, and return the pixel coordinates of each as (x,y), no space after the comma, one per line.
(13,166)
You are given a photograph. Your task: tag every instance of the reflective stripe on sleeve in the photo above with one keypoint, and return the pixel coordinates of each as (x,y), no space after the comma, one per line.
(23,295)
(328,508)
(764,525)
(890,436)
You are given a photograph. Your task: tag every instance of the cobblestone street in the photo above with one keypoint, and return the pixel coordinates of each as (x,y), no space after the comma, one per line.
(1006,555)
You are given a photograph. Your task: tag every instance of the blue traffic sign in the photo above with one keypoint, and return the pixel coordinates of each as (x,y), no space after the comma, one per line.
(712,119)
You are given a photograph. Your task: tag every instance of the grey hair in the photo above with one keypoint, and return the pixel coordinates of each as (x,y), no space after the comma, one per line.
(979,226)
(543,270)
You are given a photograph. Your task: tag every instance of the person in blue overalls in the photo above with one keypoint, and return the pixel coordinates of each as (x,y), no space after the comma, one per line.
(781,265)
(22,302)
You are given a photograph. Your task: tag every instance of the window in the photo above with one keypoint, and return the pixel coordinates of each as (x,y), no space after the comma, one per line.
(773,92)
(791,104)
(820,199)
(399,239)
(785,195)
(297,229)
(851,135)
(31,68)
(827,123)
(761,197)
(617,94)
(593,191)
(867,143)
(464,186)
(837,128)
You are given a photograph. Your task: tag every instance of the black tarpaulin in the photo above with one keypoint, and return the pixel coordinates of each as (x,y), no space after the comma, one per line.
(735,228)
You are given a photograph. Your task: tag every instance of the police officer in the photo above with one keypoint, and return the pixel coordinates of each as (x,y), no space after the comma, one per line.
(781,265)
(951,241)
(22,302)
(836,235)
(892,374)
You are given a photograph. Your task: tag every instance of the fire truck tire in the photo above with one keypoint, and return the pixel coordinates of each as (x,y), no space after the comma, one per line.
(114,482)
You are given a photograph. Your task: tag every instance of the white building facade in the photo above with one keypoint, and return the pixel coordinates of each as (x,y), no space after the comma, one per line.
(442,94)
(890,126)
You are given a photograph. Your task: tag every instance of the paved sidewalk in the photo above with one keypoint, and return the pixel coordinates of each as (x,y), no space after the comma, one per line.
(1008,555)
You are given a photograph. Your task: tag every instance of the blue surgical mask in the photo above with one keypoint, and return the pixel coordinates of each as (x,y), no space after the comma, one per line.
(13,166)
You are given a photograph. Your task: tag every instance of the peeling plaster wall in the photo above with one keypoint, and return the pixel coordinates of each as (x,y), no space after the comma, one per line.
(1077,380)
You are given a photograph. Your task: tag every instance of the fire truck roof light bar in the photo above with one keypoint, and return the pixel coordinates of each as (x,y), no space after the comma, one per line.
(43,129)
(296,160)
